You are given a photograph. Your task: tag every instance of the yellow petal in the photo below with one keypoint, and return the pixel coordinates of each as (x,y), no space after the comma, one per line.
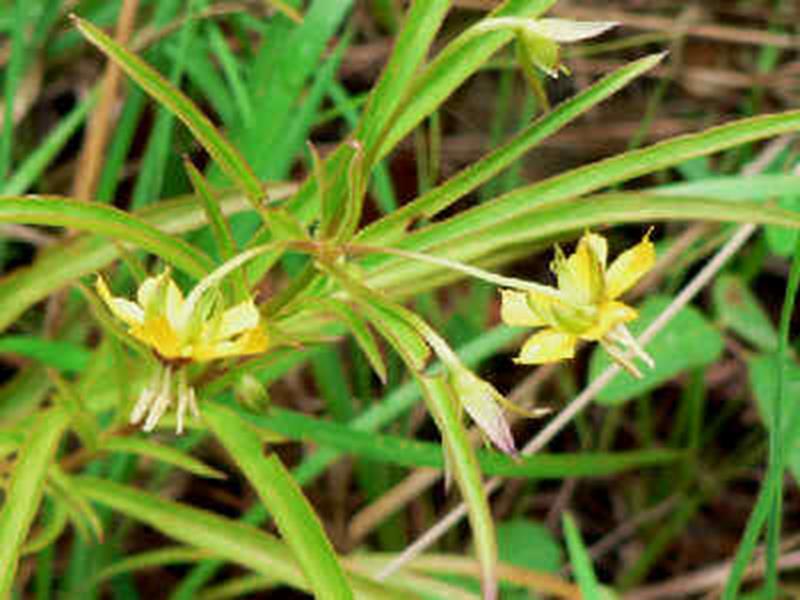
(146,293)
(629,267)
(253,341)
(547,346)
(515,310)
(598,245)
(581,276)
(238,319)
(125,310)
(174,308)
(159,334)
(609,316)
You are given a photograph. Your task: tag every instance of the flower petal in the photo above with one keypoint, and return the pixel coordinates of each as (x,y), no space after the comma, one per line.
(566,30)
(174,308)
(547,346)
(598,245)
(629,267)
(125,310)
(516,310)
(581,277)
(238,319)
(147,290)
(252,341)
(609,316)
(157,332)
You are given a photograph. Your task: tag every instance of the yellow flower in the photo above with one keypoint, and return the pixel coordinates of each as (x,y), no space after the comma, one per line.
(584,306)
(180,331)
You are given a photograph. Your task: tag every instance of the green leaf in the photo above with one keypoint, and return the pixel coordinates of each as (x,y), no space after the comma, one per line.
(761,371)
(411,47)
(782,241)
(361,333)
(82,420)
(154,558)
(443,406)
(219,226)
(412,453)
(738,309)
(107,220)
(687,342)
(543,221)
(460,59)
(56,520)
(429,204)
(167,454)
(528,544)
(24,491)
(170,97)
(64,356)
(37,161)
(735,187)
(514,217)
(581,561)
(391,319)
(236,542)
(81,511)
(283,498)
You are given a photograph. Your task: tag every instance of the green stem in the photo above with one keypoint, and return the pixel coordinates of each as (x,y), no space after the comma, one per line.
(500,280)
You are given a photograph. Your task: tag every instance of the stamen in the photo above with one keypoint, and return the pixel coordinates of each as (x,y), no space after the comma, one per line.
(161,403)
(146,398)
(622,335)
(183,400)
(193,404)
(620,358)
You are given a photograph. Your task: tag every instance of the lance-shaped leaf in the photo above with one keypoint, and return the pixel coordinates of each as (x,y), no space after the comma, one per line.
(233,540)
(169,96)
(284,499)
(393,226)
(107,220)
(24,492)
(442,403)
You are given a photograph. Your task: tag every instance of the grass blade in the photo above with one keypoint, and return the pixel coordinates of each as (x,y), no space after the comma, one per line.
(25,491)
(580,559)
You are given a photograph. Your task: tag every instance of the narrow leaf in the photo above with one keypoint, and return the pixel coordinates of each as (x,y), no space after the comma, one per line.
(580,559)
(230,539)
(24,492)
(439,198)
(107,220)
(361,333)
(219,226)
(167,95)
(442,404)
(283,498)
(167,454)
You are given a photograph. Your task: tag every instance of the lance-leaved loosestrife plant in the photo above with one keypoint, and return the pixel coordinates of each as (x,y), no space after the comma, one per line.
(181,331)
(353,276)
